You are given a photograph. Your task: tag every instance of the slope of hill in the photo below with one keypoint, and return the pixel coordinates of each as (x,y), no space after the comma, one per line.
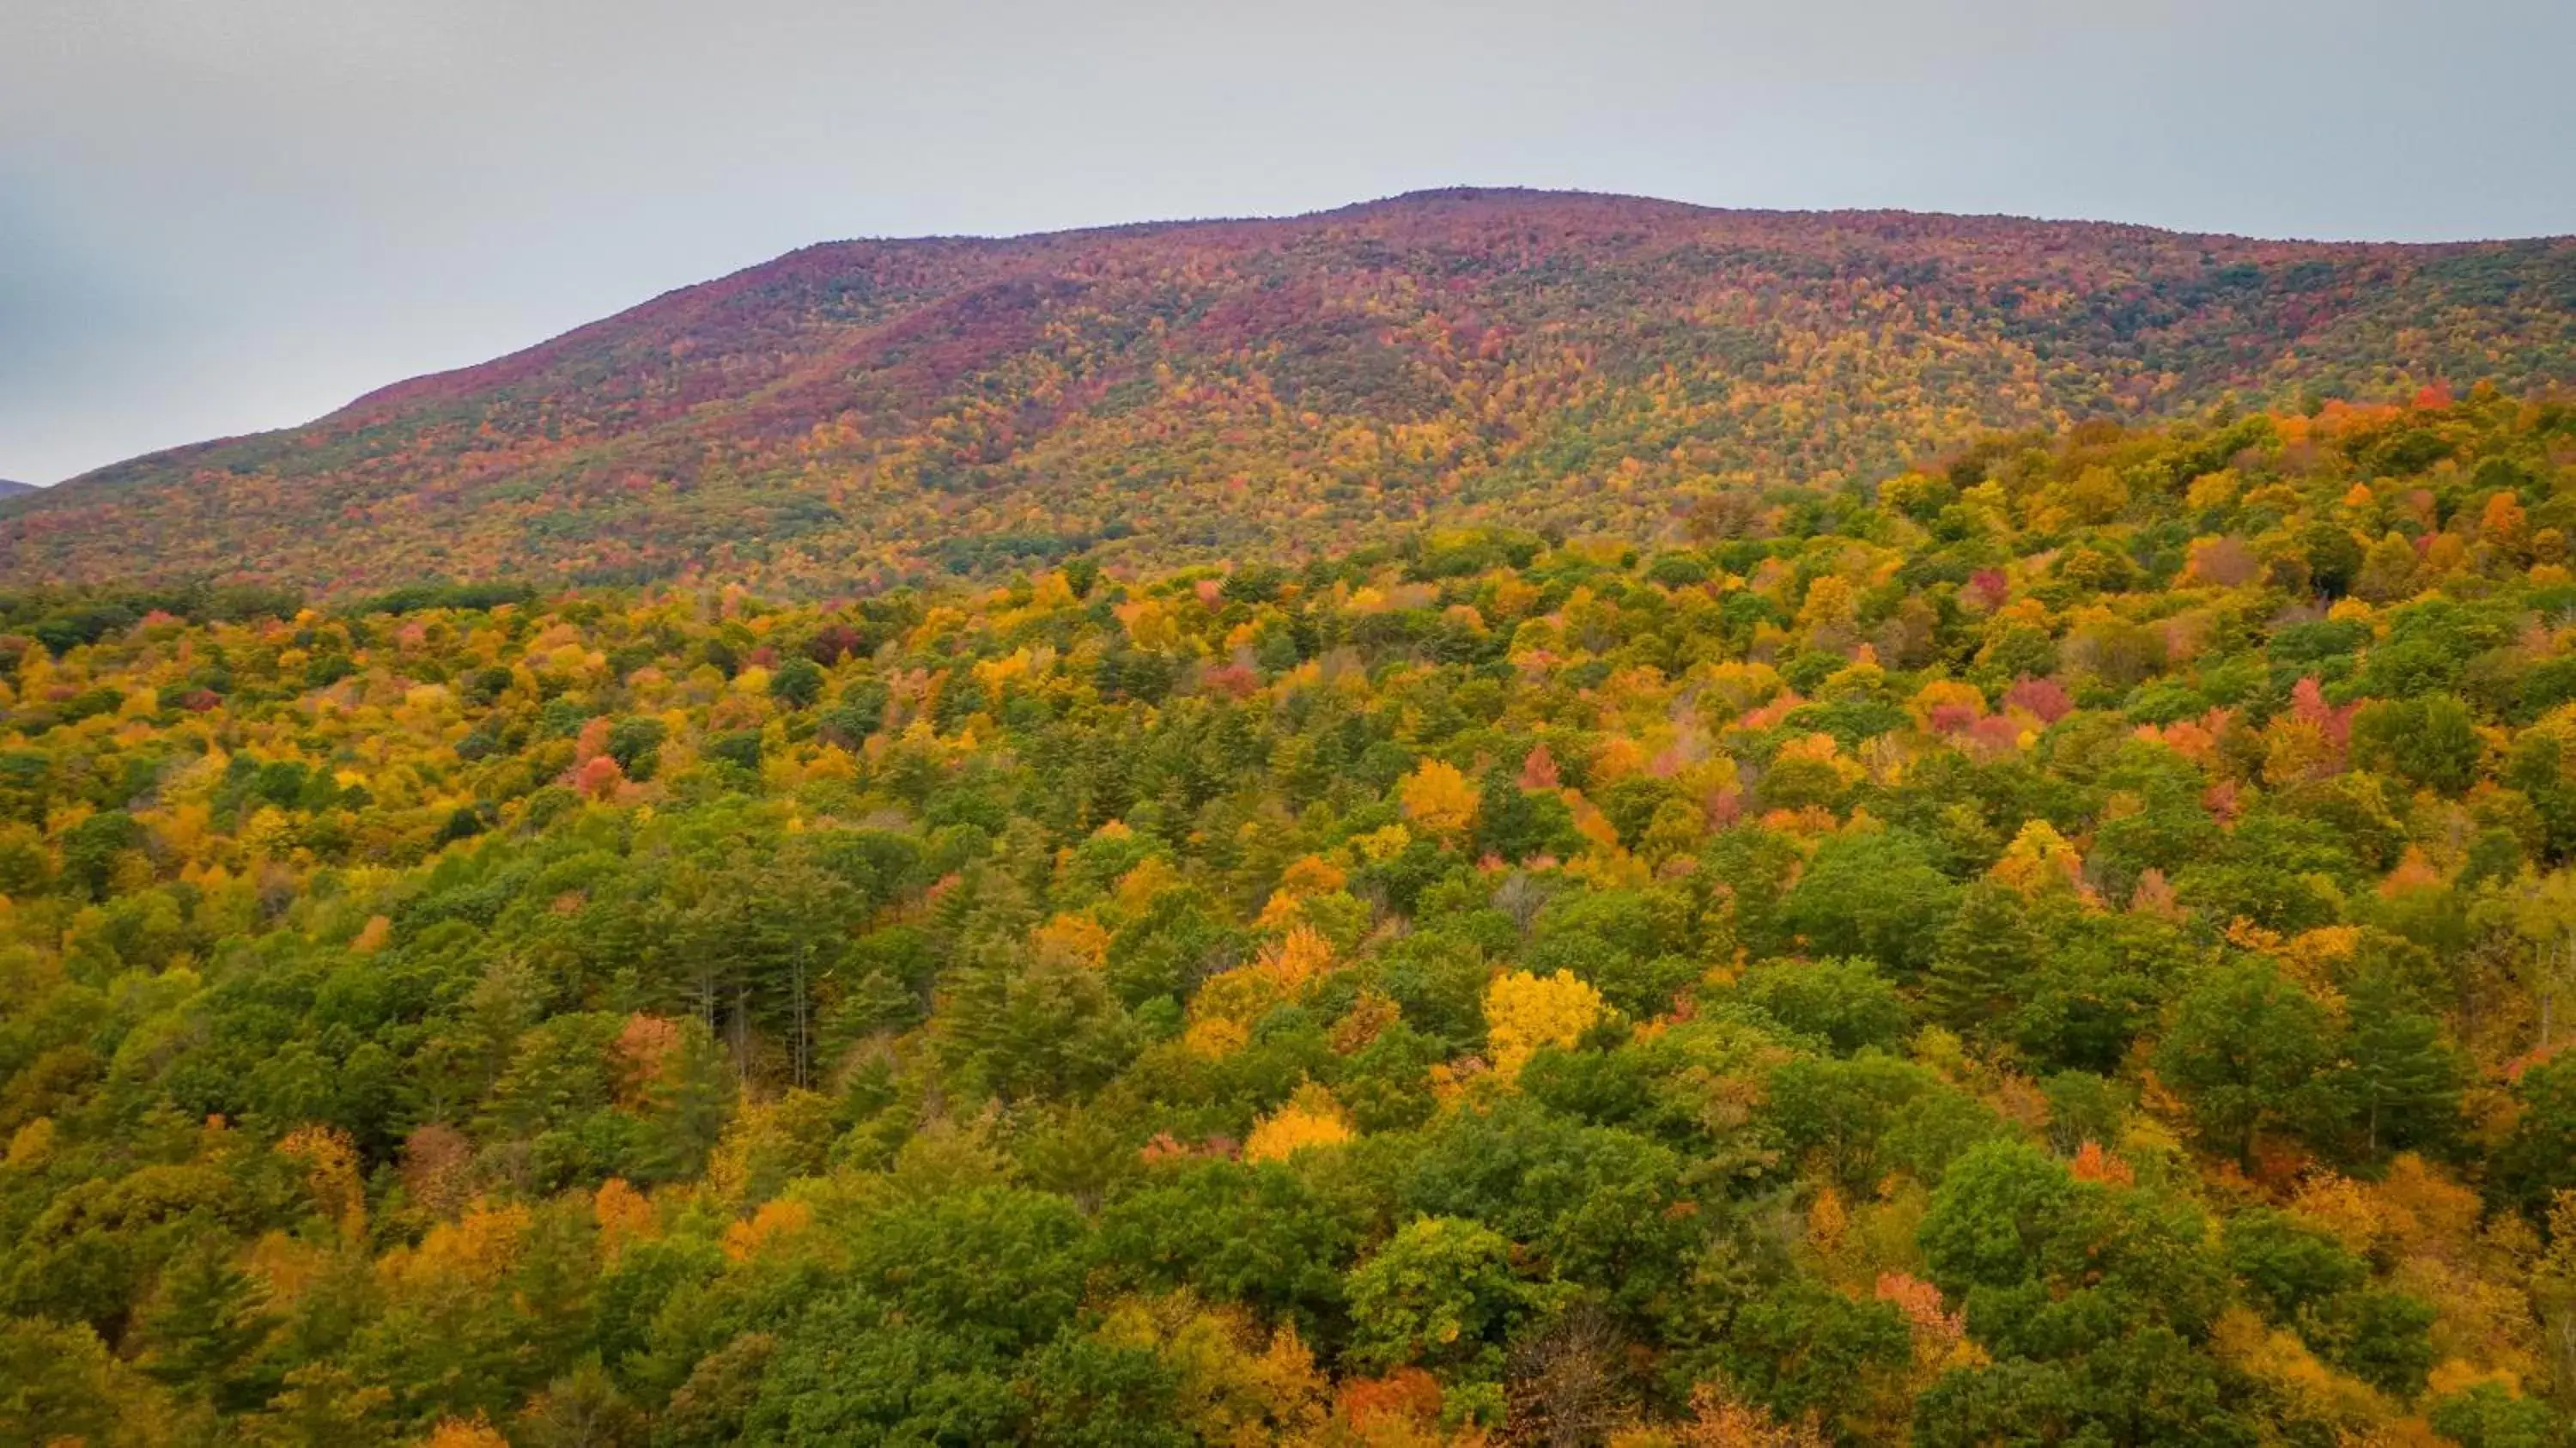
(10,489)
(864,411)
(2073,950)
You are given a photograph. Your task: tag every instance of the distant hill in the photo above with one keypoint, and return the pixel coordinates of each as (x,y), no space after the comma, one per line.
(9,489)
(861,412)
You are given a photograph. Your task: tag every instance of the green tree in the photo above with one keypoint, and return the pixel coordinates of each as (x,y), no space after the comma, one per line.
(1994,1215)
(1803,1348)
(1441,1293)
(2286,1268)
(202,1326)
(1090,1394)
(1259,1235)
(1848,1004)
(2430,742)
(636,744)
(60,1385)
(2383,1338)
(1874,894)
(2398,1078)
(1985,953)
(2539,1159)
(2490,1415)
(797,683)
(2247,1049)
(849,1374)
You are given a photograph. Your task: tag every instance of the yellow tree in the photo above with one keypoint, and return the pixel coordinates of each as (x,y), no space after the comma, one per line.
(2039,862)
(1525,1013)
(1438,798)
(464,1433)
(1311,1118)
(2544,913)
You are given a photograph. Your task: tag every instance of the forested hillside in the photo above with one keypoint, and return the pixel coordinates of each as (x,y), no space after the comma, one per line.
(2073,945)
(878,412)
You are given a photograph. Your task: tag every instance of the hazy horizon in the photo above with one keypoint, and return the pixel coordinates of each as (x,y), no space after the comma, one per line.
(222,221)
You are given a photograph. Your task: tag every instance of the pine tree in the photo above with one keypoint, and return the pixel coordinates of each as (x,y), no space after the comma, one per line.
(1983,957)
(2399,1077)
(688,1104)
(203,1327)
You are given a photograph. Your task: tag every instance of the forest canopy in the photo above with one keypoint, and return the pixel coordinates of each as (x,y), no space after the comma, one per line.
(2072,943)
(873,414)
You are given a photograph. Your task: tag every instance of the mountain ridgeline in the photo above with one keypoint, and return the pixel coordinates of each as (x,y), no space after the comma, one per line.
(865,413)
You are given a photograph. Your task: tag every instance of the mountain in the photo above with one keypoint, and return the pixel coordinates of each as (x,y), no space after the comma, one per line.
(9,489)
(2071,943)
(862,412)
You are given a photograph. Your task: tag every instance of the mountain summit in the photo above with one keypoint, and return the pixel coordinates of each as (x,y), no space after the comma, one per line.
(860,412)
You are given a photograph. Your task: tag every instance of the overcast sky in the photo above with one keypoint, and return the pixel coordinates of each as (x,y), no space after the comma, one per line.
(218,216)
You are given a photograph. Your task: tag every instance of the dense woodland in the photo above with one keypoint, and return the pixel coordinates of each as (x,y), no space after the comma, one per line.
(2073,943)
(892,412)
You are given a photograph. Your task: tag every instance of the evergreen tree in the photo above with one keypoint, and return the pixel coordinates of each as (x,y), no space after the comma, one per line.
(2399,1079)
(203,1326)
(1985,955)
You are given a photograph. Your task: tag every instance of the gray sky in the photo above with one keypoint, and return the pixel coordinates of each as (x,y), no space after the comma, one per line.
(224,215)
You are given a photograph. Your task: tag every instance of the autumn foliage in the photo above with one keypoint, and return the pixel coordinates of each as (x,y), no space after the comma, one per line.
(1965,960)
(864,414)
